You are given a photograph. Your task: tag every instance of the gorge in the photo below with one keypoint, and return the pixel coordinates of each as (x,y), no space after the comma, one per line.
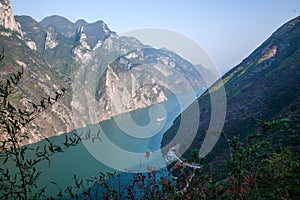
(128,105)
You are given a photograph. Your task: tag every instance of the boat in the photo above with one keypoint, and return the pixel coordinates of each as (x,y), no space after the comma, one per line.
(160,119)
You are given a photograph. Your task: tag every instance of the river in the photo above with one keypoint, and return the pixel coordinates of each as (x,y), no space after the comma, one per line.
(136,133)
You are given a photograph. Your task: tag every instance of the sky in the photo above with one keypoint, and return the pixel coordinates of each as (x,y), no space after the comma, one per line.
(228,31)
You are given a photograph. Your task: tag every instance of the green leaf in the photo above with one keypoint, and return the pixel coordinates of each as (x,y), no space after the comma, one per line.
(52,182)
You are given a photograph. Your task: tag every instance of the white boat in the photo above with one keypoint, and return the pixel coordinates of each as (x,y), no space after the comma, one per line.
(160,119)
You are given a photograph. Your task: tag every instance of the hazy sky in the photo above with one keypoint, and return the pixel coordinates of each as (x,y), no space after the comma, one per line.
(228,30)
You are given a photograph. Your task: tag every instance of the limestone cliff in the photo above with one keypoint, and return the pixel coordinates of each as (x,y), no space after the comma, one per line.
(7,19)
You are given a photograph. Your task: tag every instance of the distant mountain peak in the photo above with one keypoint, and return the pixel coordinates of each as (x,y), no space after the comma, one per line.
(81,21)
(94,31)
(55,18)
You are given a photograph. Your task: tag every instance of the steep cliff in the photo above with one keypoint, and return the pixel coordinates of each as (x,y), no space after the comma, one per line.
(7,19)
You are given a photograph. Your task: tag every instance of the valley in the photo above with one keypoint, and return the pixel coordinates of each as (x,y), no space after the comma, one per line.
(88,114)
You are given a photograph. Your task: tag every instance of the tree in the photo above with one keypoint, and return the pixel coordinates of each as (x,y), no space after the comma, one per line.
(21,184)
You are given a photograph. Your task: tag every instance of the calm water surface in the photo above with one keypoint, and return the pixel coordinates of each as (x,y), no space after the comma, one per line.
(133,133)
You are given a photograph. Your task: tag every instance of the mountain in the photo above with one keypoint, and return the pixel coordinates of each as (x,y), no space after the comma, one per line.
(53,46)
(95,31)
(39,80)
(264,86)
(90,60)
(95,49)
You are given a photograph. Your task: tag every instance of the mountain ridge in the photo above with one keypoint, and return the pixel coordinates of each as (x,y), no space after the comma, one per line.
(264,86)
(95,31)
(55,50)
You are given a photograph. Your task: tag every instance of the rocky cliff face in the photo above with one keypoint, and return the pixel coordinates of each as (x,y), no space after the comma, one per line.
(146,75)
(125,92)
(7,19)
(40,80)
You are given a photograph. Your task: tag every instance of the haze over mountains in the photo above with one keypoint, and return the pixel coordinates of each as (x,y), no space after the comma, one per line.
(55,50)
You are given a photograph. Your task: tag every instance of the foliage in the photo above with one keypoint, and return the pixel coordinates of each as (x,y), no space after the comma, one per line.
(253,171)
(21,184)
(281,175)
